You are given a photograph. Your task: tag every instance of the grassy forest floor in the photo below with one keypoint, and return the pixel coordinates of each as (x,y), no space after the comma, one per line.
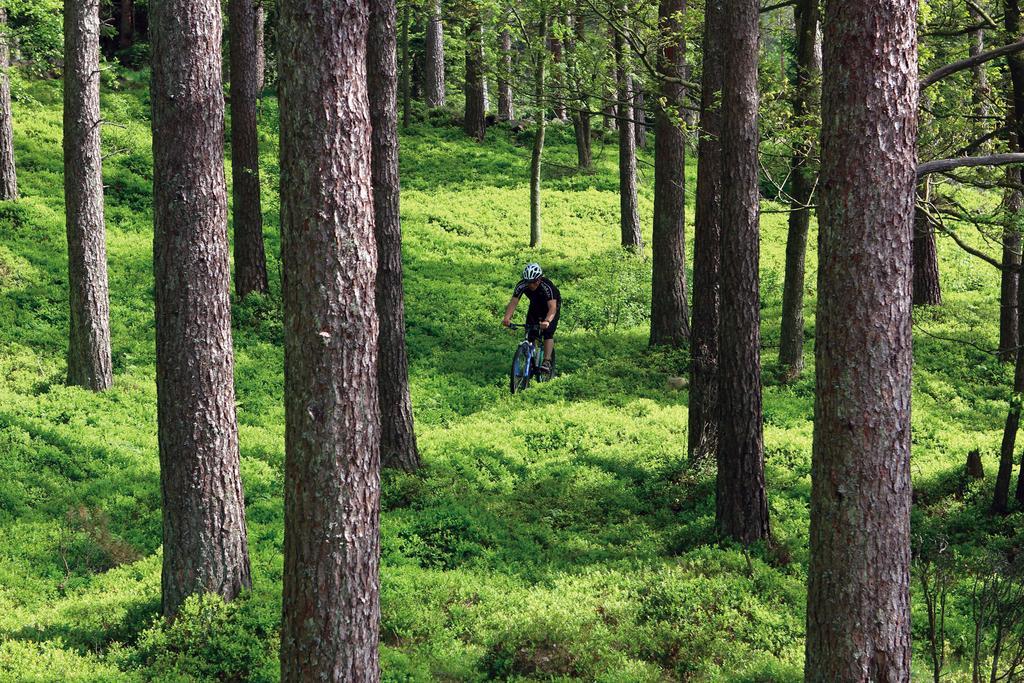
(555,535)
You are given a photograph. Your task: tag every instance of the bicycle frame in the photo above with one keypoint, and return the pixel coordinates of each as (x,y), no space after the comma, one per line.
(535,353)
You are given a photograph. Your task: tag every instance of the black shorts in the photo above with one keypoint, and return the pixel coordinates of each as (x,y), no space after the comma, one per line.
(544,334)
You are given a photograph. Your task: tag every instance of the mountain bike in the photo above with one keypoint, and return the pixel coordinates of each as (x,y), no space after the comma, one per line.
(527,359)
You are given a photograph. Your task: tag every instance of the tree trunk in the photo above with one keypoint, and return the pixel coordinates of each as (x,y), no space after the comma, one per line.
(670,315)
(204,537)
(805,111)
(610,113)
(475,123)
(126,25)
(261,50)
(858,602)
(250,258)
(89,363)
(506,112)
(629,213)
(639,117)
(433,75)
(8,174)
(703,408)
(1001,497)
(980,90)
(741,505)
(927,291)
(331,614)
(581,113)
(406,70)
(538,140)
(1010,275)
(398,440)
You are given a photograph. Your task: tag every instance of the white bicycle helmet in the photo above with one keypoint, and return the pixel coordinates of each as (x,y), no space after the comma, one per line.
(532,271)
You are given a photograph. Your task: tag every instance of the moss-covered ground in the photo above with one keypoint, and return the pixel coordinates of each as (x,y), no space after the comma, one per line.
(559,534)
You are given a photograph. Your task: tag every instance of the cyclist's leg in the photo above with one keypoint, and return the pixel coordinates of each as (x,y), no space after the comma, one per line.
(549,340)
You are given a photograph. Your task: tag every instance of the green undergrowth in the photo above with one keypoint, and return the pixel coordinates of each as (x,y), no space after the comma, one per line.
(560,534)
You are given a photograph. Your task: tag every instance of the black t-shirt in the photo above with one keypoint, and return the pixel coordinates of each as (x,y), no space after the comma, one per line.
(539,297)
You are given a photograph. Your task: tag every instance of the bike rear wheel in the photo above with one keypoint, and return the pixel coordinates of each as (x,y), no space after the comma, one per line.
(545,376)
(519,375)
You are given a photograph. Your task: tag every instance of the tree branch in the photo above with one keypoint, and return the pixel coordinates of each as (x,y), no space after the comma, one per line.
(942,165)
(778,5)
(970,62)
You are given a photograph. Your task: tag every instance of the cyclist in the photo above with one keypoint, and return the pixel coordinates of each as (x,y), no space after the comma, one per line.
(545,307)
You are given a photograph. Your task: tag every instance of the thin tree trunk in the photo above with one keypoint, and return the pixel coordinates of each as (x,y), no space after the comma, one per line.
(204,536)
(639,117)
(538,140)
(629,213)
(670,315)
(126,25)
(398,440)
(250,257)
(1010,275)
(475,123)
(703,408)
(406,70)
(581,113)
(506,110)
(927,291)
(980,90)
(261,50)
(805,111)
(741,505)
(8,174)
(89,363)
(433,76)
(331,613)
(558,103)
(858,601)
(1001,496)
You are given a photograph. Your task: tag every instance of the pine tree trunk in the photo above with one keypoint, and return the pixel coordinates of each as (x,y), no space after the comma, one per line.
(927,291)
(703,406)
(639,117)
(8,174)
(331,616)
(261,50)
(506,111)
(398,440)
(741,505)
(126,25)
(538,140)
(89,363)
(250,257)
(433,75)
(805,111)
(1010,275)
(858,602)
(204,537)
(629,213)
(475,123)
(1001,496)
(670,315)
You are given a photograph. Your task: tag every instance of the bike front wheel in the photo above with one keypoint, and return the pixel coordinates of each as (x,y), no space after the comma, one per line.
(519,375)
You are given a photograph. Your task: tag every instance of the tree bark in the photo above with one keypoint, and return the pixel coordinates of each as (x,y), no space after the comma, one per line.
(89,363)
(806,112)
(331,610)
(538,140)
(506,110)
(475,123)
(250,257)
(629,213)
(703,407)
(8,174)
(433,75)
(204,535)
(858,602)
(669,311)
(980,90)
(639,116)
(1010,274)
(126,25)
(558,101)
(398,439)
(1001,496)
(581,113)
(927,291)
(741,505)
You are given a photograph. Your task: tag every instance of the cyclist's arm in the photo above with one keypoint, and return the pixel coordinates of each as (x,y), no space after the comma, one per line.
(552,312)
(509,310)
